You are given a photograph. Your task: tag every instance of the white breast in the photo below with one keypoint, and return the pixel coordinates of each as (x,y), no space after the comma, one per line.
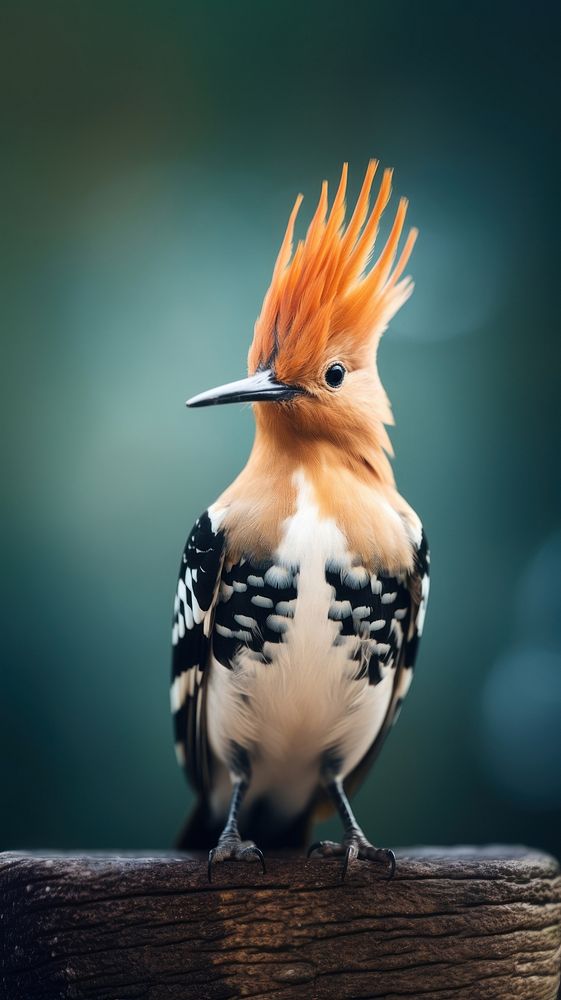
(307,700)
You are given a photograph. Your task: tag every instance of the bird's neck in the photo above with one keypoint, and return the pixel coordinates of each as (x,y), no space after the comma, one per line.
(320,449)
(353,486)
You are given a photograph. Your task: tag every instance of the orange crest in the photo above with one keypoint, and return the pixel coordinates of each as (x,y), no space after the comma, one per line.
(323,297)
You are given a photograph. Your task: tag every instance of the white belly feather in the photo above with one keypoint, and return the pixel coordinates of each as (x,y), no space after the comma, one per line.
(307,700)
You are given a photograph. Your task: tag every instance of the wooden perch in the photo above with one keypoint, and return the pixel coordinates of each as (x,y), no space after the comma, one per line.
(462,923)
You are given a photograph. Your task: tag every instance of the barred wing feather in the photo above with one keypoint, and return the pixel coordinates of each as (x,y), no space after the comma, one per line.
(193,616)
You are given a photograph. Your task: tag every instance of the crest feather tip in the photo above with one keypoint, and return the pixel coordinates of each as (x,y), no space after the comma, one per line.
(325,290)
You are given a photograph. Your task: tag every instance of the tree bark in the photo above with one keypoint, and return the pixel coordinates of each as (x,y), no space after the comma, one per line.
(454,924)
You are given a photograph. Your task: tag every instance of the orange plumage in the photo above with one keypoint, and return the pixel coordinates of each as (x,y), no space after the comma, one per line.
(322,298)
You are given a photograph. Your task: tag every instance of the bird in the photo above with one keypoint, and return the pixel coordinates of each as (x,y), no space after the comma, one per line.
(302,589)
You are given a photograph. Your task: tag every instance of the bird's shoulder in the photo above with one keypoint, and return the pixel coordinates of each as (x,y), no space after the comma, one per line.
(377,525)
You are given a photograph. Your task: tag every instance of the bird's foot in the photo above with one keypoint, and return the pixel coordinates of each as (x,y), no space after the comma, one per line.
(234,849)
(354,846)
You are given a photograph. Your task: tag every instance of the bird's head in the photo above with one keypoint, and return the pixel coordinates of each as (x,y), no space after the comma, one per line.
(315,343)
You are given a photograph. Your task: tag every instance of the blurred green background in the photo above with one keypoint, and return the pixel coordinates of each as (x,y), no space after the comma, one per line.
(151,153)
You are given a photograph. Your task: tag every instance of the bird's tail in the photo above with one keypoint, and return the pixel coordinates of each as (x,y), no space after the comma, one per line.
(202,830)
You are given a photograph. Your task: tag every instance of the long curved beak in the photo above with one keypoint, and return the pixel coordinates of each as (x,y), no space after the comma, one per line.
(259,388)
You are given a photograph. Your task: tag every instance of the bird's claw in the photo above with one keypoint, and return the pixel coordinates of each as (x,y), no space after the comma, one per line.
(234,850)
(314,847)
(391,859)
(352,849)
(350,854)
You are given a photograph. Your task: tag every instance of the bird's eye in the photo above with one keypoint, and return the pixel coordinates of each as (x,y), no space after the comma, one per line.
(334,375)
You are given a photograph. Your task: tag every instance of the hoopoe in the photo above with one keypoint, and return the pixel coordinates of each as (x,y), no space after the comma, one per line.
(302,589)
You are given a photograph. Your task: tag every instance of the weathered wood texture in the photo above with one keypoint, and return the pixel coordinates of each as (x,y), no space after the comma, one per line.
(453,924)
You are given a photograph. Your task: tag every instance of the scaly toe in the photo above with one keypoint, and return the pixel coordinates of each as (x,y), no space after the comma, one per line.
(253,853)
(351,850)
(379,855)
(327,849)
(234,850)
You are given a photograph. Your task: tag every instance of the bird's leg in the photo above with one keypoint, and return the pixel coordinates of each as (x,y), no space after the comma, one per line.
(230,845)
(354,844)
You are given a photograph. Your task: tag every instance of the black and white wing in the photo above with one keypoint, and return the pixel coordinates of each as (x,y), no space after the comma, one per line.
(193,616)
(385,614)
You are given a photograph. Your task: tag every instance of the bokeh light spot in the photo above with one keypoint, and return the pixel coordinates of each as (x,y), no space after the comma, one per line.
(521,731)
(539,594)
